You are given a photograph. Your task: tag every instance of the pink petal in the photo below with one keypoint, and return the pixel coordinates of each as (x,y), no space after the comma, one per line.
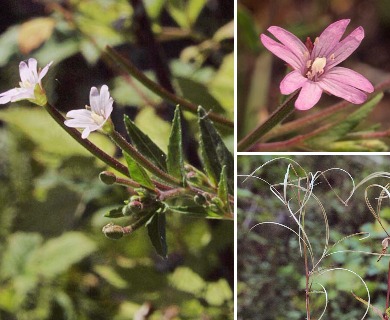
(309,96)
(291,82)
(22,94)
(329,38)
(24,71)
(281,52)
(85,133)
(343,90)
(94,100)
(346,47)
(291,42)
(349,77)
(6,97)
(44,71)
(105,102)
(82,114)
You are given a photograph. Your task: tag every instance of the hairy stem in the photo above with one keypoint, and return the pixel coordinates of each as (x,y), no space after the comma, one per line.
(133,152)
(274,119)
(160,91)
(75,134)
(307,293)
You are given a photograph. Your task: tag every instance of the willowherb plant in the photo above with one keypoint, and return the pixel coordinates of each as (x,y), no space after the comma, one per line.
(313,69)
(303,203)
(157,182)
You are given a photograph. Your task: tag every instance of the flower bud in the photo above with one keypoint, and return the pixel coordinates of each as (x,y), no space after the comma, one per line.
(113,231)
(200,199)
(107,177)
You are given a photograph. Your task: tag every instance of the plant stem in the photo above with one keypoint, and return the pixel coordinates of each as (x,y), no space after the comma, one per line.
(307,283)
(274,119)
(133,152)
(75,134)
(160,91)
(388,292)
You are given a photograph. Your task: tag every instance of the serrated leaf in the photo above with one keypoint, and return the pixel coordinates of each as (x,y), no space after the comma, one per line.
(138,173)
(145,145)
(57,255)
(175,162)
(223,188)
(156,232)
(214,153)
(346,125)
(114,213)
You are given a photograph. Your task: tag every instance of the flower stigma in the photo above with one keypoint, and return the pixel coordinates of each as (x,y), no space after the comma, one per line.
(317,68)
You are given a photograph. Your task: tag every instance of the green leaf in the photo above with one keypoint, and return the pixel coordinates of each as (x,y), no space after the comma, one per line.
(249,34)
(114,213)
(185,13)
(222,86)
(20,248)
(223,191)
(58,254)
(214,153)
(196,211)
(200,94)
(175,162)
(346,125)
(111,276)
(39,127)
(138,173)
(145,145)
(156,232)
(8,44)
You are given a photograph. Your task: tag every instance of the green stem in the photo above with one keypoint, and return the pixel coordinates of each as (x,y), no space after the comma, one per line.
(75,134)
(133,152)
(275,118)
(160,91)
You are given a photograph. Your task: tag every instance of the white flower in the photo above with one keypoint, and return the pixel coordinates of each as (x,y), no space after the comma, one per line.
(30,78)
(92,118)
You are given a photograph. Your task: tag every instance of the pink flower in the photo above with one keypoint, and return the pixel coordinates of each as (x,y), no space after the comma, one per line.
(95,116)
(30,78)
(315,64)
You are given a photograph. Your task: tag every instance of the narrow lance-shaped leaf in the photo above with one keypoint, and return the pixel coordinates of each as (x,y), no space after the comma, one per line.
(114,213)
(156,232)
(138,173)
(175,162)
(346,125)
(223,192)
(145,145)
(214,153)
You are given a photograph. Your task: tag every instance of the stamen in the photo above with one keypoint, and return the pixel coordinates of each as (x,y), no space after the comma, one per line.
(308,63)
(316,41)
(331,57)
(97,118)
(316,68)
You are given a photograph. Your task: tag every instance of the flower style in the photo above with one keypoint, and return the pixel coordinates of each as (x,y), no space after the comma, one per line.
(315,64)
(94,117)
(30,78)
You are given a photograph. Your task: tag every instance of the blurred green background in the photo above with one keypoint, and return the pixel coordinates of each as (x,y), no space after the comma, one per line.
(271,274)
(55,263)
(259,72)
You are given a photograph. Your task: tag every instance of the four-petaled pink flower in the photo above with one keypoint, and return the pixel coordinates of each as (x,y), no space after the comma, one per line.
(315,64)
(94,117)
(30,78)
